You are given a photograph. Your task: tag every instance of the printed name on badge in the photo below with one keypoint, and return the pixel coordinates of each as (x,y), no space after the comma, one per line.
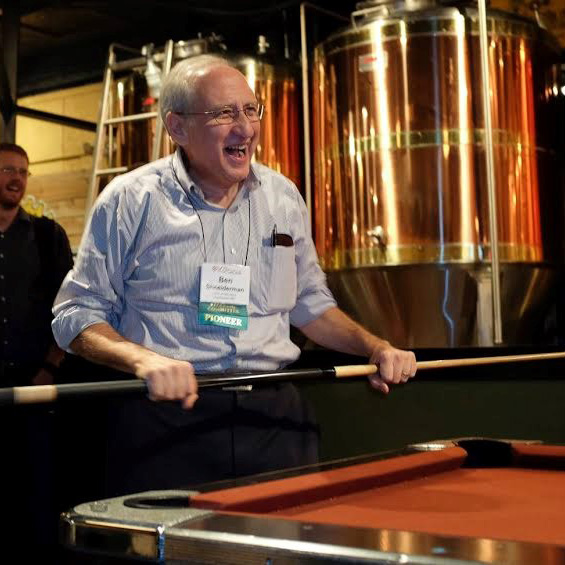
(224,295)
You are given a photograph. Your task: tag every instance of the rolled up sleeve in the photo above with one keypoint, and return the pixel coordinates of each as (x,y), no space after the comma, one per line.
(92,292)
(313,295)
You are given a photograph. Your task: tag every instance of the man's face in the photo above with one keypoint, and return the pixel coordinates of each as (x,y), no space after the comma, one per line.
(13,183)
(220,154)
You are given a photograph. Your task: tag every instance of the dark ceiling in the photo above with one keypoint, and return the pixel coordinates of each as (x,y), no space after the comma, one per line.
(65,42)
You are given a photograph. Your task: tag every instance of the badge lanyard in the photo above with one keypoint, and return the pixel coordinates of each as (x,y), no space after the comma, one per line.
(224,288)
(223,239)
(202,225)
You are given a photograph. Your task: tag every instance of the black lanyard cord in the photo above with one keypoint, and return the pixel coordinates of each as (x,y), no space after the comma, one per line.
(223,238)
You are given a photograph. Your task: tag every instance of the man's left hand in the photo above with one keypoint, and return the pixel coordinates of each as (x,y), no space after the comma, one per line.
(395,366)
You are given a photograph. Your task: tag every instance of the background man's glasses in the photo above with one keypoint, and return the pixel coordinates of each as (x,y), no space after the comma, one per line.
(228,114)
(13,171)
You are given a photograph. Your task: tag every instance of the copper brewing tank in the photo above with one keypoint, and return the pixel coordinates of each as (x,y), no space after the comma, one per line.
(401,206)
(133,140)
(274,84)
(277,88)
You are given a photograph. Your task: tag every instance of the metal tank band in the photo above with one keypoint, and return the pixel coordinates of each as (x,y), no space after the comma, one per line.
(427,253)
(433,25)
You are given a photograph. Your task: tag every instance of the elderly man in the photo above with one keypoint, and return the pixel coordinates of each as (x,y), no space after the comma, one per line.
(198,263)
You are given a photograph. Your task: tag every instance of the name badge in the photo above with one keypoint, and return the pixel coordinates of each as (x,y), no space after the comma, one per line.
(224,295)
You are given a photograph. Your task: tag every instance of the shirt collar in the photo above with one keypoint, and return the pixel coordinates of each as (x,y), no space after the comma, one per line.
(190,187)
(23,215)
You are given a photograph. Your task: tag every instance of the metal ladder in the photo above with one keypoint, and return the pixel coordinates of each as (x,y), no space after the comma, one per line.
(106,122)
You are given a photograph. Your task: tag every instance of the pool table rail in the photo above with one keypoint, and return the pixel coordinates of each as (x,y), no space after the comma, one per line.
(165,526)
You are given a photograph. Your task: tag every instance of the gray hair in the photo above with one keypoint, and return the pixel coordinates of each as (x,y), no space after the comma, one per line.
(179,87)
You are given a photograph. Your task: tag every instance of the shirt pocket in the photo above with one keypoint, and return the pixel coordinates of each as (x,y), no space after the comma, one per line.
(278,278)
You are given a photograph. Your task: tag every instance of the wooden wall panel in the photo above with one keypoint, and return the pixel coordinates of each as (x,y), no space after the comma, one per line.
(65,195)
(60,156)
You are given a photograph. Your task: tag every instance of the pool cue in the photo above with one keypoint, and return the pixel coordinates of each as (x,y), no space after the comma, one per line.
(472,361)
(51,393)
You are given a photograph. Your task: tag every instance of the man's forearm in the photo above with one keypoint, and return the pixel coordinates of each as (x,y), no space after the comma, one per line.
(335,330)
(101,344)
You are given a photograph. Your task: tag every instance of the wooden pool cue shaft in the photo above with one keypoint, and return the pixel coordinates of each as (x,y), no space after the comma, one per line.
(473,361)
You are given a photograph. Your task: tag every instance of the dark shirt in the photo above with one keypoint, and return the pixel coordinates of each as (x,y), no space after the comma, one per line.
(33,262)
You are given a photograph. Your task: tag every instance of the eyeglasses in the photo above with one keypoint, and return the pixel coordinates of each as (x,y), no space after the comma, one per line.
(13,171)
(229,114)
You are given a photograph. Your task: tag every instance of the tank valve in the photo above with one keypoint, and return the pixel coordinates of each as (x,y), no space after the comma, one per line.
(378,236)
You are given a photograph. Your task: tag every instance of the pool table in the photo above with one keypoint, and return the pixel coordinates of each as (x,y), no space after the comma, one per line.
(462,501)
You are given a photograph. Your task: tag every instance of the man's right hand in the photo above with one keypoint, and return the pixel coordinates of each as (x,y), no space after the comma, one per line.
(168,379)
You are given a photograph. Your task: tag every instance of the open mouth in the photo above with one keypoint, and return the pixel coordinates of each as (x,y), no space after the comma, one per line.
(236,150)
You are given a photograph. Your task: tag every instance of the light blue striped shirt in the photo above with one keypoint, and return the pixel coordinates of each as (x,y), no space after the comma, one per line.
(138,268)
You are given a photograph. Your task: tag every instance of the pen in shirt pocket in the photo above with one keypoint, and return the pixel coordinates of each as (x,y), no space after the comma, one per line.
(281,239)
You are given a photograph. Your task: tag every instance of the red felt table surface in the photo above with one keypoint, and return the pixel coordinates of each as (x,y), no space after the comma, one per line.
(427,492)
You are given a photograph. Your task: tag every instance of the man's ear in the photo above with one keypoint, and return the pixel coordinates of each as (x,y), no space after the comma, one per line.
(177,127)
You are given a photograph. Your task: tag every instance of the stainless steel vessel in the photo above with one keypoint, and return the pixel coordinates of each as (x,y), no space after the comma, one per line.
(401,207)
